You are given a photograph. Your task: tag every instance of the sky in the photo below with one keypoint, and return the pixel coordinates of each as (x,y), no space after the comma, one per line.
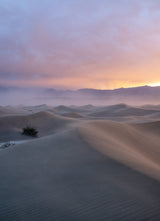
(72,44)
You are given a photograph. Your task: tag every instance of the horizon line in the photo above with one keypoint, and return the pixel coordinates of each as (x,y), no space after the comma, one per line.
(85,88)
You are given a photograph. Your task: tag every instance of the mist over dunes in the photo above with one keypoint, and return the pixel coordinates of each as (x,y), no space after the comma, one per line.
(33,96)
(79,110)
(88,162)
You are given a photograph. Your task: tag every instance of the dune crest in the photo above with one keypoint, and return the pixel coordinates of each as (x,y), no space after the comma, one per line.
(125,143)
(73,115)
(45,122)
(81,166)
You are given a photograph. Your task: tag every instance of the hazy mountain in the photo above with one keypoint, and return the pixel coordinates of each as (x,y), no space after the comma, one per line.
(136,95)
(144,91)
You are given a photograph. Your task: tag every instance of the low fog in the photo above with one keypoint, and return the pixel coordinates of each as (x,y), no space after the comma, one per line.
(38,96)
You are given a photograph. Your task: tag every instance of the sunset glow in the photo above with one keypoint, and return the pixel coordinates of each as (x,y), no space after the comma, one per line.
(154,84)
(79,44)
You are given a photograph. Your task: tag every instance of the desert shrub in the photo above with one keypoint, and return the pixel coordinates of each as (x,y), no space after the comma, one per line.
(30,131)
(7,144)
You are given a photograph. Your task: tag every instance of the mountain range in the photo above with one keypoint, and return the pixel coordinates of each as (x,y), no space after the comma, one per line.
(132,95)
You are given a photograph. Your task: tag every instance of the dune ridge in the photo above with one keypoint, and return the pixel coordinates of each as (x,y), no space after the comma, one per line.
(46,123)
(73,115)
(125,143)
(80,168)
(121,110)
(61,177)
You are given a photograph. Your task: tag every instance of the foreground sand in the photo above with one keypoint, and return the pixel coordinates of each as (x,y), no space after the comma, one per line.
(84,166)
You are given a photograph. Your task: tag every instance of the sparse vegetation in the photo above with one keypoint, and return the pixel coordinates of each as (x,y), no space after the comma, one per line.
(7,144)
(30,131)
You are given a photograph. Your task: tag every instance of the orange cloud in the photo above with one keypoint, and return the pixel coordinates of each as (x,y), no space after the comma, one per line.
(99,44)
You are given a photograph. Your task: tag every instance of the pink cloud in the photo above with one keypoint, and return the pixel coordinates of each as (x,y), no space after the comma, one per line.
(80,43)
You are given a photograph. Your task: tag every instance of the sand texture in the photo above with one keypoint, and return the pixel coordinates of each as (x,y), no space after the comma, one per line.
(88,163)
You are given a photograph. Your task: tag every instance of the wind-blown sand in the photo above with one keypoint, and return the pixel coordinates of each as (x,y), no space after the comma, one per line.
(128,144)
(81,168)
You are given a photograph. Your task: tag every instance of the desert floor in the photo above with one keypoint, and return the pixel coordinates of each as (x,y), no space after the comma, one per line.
(88,163)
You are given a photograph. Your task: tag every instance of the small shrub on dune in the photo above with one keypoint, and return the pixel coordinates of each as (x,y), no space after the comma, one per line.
(30,131)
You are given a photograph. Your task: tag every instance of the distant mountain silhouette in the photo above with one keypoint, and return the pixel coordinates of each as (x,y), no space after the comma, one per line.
(135,95)
(133,91)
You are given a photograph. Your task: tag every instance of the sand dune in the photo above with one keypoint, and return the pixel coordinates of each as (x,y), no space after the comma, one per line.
(121,110)
(62,109)
(127,144)
(81,168)
(9,110)
(61,177)
(73,115)
(151,129)
(23,110)
(83,110)
(45,122)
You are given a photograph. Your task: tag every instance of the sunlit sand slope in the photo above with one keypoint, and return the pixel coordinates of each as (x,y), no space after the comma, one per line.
(133,145)
(61,177)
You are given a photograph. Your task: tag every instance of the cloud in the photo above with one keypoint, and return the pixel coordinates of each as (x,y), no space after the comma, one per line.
(79,43)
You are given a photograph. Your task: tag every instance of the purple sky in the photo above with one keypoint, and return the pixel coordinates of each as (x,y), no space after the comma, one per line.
(79,43)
